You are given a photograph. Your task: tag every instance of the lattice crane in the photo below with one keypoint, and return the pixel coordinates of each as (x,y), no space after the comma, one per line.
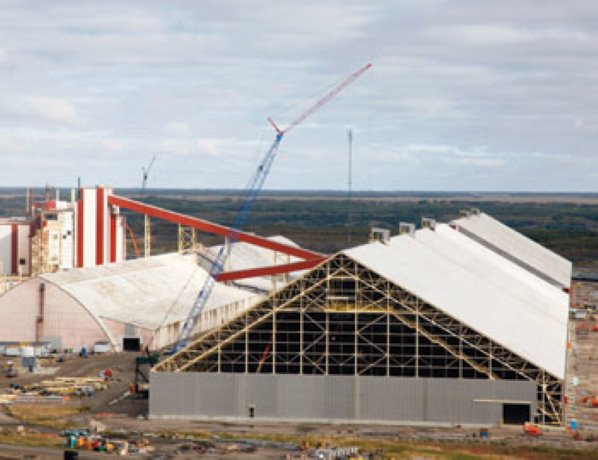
(146,171)
(250,194)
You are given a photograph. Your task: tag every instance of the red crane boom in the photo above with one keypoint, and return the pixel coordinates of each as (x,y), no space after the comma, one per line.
(301,118)
(251,192)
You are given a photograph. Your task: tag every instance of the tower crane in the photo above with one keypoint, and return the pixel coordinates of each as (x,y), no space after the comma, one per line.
(249,195)
(146,171)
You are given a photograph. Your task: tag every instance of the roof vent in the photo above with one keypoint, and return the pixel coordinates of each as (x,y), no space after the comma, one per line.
(464,213)
(428,223)
(379,234)
(406,229)
(474,211)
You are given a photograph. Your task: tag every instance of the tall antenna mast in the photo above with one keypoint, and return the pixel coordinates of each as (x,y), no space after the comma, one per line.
(28,203)
(350,185)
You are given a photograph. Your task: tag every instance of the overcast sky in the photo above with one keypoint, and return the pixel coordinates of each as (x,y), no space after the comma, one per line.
(462,95)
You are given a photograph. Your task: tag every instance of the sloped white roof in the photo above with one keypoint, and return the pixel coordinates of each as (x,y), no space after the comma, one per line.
(527,252)
(489,264)
(471,284)
(149,292)
(244,256)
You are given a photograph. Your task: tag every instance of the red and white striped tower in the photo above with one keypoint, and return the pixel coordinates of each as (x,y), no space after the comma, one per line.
(99,229)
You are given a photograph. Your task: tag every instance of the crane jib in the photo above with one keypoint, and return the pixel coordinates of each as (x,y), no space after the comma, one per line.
(251,192)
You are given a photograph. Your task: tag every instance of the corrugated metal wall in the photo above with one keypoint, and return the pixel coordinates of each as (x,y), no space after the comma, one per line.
(333,398)
(5,249)
(14,236)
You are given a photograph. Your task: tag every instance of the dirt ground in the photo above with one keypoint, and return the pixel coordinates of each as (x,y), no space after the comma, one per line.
(582,378)
(122,364)
(125,418)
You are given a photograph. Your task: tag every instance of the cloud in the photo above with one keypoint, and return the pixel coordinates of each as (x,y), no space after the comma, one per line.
(113,145)
(212,147)
(37,108)
(431,154)
(454,90)
(50,109)
(481,35)
(177,128)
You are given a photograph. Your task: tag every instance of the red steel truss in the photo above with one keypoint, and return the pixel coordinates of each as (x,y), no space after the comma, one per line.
(311,259)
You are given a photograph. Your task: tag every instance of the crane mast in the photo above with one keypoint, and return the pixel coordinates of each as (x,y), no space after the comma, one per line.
(250,194)
(146,171)
(217,267)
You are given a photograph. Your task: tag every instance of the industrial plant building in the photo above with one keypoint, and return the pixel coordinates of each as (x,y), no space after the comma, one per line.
(58,235)
(140,302)
(75,288)
(464,322)
(15,247)
(430,326)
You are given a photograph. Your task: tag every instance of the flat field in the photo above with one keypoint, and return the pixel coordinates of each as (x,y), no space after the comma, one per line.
(330,221)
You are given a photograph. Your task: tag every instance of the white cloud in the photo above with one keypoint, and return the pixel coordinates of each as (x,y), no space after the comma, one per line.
(481,34)
(113,145)
(212,147)
(431,154)
(177,128)
(195,84)
(49,108)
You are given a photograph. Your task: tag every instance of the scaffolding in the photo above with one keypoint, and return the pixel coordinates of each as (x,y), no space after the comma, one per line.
(187,240)
(38,252)
(147,236)
(344,319)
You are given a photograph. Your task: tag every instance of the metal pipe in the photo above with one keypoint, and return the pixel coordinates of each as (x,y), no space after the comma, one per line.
(39,322)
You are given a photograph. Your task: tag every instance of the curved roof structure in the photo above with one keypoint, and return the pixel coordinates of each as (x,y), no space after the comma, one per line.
(147,292)
(516,247)
(245,256)
(479,288)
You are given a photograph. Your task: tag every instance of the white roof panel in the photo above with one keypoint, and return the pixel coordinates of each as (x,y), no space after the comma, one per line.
(491,266)
(523,314)
(528,253)
(149,292)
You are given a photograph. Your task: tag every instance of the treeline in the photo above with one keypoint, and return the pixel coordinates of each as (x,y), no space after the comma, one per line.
(329,224)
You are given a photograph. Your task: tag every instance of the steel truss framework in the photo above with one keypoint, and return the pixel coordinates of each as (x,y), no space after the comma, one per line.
(147,236)
(343,319)
(187,240)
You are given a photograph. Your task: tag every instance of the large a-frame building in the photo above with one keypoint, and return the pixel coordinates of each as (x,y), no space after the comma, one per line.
(427,327)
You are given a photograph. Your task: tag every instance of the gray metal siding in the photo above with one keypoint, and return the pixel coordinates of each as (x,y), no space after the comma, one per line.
(333,398)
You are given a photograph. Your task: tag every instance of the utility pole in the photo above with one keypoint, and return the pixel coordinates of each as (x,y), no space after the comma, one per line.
(350,186)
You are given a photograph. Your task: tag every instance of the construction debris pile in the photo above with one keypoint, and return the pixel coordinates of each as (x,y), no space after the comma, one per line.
(217,445)
(57,390)
(86,441)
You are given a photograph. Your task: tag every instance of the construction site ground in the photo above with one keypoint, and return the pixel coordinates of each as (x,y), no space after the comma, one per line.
(125,417)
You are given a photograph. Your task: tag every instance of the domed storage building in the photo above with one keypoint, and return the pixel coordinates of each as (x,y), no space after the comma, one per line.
(143,301)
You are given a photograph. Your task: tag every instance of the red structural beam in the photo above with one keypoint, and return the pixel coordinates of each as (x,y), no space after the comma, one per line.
(14,248)
(80,221)
(268,271)
(100,225)
(210,227)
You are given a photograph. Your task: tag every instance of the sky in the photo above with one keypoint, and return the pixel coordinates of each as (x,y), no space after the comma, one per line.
(462,95)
